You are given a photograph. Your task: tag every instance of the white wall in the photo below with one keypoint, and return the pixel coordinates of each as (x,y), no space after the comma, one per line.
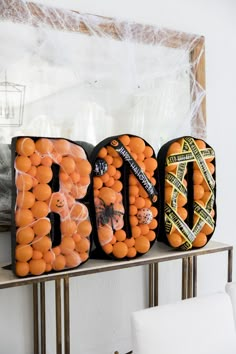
(101,304)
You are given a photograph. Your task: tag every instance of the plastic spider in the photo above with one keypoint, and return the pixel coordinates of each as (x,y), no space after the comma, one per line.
(109,214)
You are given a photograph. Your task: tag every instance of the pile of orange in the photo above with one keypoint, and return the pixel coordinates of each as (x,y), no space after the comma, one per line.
(108,199)
(35,199)
(201,195)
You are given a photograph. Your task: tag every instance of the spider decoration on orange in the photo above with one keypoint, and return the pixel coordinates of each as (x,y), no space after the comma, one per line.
(111,214)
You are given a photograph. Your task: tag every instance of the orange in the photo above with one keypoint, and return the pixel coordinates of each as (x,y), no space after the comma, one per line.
(181,200)
(133,210)
(67,245)
(46,161)
(125,139)
(197,177)
(200,240)
(42,227)
(151,235)
(75,177)
(139,202)
(25,200)
(49,256)
(105,177)
(44,174)
(198,192)
(79,211)
(108,248)
(102,152)
(56,250)
(25,235)
(120,249)
(37,266)
(35,159)
(206,197)
(110,182)
(61,146)
(23,253)
(135,156)
(135,231)
(40,209)
(84,180)
(24,182)
(134,190)
(59,262)
(142,191)
(131,252)
(105,234)
(153,181)
(76,237)
(42,244)
(25,146)
(142,244)
(133,220)
(117,162)
(148,151)
(175,148)
(117,186)
(112,152)
(153,224)
(108,195)
(67,164)
(141,165)
(84,228)
(22,269)
(205,186)
(48,267)
(150,164)
(32,171)
(84,256)
(175,239)
(44,146)
(22,163)
(63,176)
(144,228)
(154,211)
(201,144)
(141,157)
(42,192)
(132,180)
(132,199)
(130,242)
(72,259)
(84,168)
(68,227)
(111,170)
(211,167)
(182,213)
(108,159)
(79,191)
(120,235)
(23,217)
(148,204)
(136,144)
(207,229)
(37,254)
(117,175)
(83,245)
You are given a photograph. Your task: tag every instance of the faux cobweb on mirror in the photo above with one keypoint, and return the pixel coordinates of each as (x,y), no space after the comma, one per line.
(87,77)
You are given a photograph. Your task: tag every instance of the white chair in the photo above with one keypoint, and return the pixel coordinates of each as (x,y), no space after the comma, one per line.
(231,290)
(202,325)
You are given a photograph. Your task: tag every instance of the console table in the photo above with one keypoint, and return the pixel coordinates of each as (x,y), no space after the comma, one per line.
(158,253)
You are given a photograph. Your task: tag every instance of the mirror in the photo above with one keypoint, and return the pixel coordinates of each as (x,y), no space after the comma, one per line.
(85,77)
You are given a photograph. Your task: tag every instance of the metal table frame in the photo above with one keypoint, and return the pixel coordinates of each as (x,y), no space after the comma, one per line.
(160,253)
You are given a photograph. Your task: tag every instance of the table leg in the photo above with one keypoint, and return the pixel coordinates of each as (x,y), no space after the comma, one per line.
(151,284)
(194,276)
(190,277)
(230,265)
(184,278)
(42,318)
(156,284)
(58,316)
(67,315)
(36,318)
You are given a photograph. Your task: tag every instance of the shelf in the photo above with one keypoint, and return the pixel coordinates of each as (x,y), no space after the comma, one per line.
(158,253)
